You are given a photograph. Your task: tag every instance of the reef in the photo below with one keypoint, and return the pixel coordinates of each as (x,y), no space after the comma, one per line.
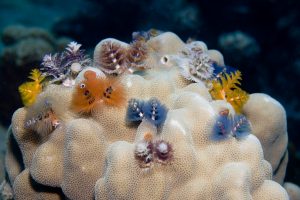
(154,119)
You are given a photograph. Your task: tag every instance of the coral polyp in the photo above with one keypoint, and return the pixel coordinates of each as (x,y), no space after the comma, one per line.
(241,126)
(45,122)
(31,89)
(86,94)
(143,153)
(95,91)
(198,65)
(136,55)
(155,112)
(112,58)
(222,128)
(163,152)
(73,54)
(113,92)
(227,126)
(62,67)
(226,87)
(149,152)
(135,112)
(151,110)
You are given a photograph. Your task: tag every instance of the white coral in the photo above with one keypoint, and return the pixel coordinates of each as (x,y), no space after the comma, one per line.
(94,156)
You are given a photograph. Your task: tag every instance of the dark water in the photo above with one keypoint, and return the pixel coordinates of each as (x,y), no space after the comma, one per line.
(259,37)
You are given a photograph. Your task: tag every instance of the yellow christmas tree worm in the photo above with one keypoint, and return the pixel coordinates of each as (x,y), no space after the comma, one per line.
(29,90)
(227,88)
